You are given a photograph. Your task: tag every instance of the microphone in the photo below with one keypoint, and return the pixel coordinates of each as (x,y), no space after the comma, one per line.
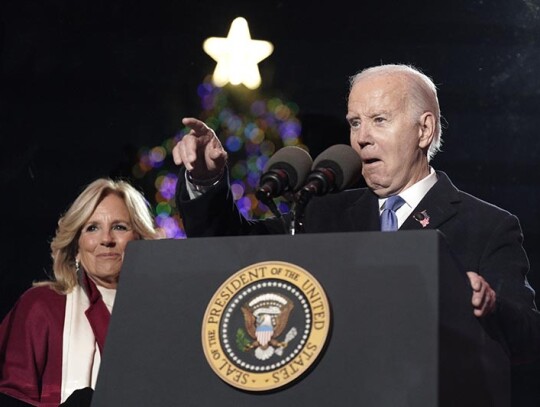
(336,168)
(285,171)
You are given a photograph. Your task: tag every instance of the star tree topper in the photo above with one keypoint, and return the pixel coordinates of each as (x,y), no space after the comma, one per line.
(237,56)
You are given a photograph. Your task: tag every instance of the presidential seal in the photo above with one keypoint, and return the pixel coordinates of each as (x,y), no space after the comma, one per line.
(265,326)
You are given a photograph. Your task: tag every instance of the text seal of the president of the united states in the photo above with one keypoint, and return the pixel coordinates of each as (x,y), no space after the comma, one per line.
(265,326)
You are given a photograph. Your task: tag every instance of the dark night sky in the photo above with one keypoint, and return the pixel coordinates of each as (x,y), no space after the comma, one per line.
(83,83)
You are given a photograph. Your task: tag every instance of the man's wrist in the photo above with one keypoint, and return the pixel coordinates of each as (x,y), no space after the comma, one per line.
(202,185)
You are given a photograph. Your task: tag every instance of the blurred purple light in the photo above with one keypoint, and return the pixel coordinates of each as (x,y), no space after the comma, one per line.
(168,186)
(233,143)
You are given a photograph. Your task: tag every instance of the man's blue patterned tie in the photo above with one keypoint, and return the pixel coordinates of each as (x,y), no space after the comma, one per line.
(389,221)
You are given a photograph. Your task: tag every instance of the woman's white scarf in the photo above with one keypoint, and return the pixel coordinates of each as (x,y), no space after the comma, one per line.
(81,357)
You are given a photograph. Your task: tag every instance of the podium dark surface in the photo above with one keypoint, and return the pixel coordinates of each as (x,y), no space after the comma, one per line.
(403,331)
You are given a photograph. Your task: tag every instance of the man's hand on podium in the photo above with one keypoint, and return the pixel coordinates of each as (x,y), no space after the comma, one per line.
(483,296)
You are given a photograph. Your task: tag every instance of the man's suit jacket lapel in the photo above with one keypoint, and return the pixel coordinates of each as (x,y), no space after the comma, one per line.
(438,206)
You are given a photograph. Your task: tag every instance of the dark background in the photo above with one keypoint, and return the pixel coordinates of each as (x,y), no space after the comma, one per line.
(85,84)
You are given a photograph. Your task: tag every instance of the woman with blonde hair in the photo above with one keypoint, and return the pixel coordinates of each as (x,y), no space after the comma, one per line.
(52,340)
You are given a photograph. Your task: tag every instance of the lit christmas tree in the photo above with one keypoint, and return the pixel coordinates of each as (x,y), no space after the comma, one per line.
(250,126)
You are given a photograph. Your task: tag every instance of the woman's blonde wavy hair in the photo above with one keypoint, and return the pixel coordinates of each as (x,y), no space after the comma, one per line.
(64,246)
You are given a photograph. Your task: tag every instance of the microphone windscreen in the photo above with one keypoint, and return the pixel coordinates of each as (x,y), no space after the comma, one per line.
(343,161)
(295,161)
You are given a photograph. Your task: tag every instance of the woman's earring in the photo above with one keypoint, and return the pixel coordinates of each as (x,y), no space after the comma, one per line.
(77,266)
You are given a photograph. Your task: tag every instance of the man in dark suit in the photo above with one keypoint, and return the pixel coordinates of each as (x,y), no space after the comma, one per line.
(394,118)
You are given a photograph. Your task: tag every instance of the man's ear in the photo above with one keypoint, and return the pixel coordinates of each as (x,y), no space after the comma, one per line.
(426,131)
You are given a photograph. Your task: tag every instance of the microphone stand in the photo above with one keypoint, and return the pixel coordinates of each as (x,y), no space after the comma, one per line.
(300,199)
(296,221)
(296,224)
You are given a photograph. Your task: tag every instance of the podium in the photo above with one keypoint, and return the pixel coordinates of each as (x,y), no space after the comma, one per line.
(402,329)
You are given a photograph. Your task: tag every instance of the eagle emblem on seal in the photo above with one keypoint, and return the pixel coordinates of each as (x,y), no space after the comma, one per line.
(265,319)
